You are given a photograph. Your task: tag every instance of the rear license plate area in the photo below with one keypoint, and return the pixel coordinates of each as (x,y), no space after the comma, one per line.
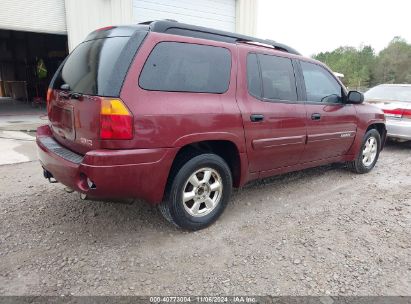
(63,121)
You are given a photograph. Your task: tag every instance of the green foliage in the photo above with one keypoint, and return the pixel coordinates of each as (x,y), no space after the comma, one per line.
(363,68)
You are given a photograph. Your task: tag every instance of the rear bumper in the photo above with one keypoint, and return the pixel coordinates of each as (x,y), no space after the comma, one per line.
(137,173)
(400,129)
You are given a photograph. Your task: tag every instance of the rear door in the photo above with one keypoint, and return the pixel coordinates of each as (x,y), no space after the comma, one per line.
(274,119)
(331,124)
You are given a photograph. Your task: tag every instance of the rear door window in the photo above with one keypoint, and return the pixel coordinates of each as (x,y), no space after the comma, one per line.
(277,75)
(184,67)
(253,76)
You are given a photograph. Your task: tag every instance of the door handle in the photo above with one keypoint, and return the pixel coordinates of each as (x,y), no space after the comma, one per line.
(316,116)
(256,117)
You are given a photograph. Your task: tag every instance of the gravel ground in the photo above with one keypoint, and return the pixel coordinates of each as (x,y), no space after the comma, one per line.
(322,231)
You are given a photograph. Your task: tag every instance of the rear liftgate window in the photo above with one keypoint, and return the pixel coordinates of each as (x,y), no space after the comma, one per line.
(183,67)
(98,67)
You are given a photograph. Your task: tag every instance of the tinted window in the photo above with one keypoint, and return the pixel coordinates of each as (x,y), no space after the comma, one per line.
(320,85)
(183,67)
(253,76)
(98,67)
(278,78)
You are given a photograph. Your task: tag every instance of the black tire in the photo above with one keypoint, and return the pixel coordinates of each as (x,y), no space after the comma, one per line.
(357,165)
(172,208)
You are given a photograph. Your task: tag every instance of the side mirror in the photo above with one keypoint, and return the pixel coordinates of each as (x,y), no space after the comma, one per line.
(355,97)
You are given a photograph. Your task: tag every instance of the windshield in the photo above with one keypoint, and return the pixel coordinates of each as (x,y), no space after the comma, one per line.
(395,93)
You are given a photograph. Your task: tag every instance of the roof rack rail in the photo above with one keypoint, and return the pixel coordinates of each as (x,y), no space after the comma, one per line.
(271,43)
(182,29)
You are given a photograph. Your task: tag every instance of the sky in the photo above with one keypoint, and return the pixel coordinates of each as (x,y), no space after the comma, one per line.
(314,26)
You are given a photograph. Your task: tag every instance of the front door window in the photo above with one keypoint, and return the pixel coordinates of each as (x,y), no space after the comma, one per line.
(320,85)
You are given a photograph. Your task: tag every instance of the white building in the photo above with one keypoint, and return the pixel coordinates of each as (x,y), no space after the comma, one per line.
(43,32)
(76,18)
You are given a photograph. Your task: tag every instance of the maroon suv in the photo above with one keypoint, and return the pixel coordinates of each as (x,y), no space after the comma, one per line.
(177,115)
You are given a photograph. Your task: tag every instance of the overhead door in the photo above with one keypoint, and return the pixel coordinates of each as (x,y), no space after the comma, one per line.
(45,16)
(218,14)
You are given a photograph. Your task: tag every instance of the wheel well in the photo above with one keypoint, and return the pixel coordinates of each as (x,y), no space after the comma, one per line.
(380,127)
(227,150)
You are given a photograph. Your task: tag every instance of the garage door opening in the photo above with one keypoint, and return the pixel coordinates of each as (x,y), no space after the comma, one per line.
(28,61)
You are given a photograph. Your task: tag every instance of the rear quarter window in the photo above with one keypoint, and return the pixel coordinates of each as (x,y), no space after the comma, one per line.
(184,67)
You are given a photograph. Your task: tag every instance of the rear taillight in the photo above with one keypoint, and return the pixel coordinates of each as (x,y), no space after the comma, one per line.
(116,121)
(397,113)
(406,114)
(48,99)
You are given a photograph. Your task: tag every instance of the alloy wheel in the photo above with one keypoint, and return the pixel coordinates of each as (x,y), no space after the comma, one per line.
(202,192)
(370,151)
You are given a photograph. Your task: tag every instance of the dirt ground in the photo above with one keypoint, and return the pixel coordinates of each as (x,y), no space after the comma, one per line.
(323,231)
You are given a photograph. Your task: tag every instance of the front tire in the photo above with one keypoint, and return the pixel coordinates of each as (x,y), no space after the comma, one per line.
(368,154)
(198,192)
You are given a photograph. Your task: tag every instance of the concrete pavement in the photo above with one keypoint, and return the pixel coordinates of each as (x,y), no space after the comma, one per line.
(17,147)
(18,123)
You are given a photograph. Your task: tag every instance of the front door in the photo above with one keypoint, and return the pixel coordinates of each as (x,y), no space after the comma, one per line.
(331,124)
(274,119)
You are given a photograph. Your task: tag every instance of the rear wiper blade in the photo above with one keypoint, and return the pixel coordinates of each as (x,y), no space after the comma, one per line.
(75,95)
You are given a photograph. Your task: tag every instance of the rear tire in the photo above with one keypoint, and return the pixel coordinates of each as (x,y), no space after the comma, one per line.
(368,154)
(198,192)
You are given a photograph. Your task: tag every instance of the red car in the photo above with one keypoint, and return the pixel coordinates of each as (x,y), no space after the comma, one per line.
(177,115)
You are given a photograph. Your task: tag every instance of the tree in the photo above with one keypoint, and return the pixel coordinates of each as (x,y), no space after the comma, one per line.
(394,63)
(362,68)
(355,64)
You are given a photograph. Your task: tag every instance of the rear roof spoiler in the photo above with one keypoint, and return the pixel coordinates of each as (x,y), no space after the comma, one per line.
(116,31)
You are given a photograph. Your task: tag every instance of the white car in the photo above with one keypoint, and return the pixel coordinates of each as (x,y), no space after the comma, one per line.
(395,101)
